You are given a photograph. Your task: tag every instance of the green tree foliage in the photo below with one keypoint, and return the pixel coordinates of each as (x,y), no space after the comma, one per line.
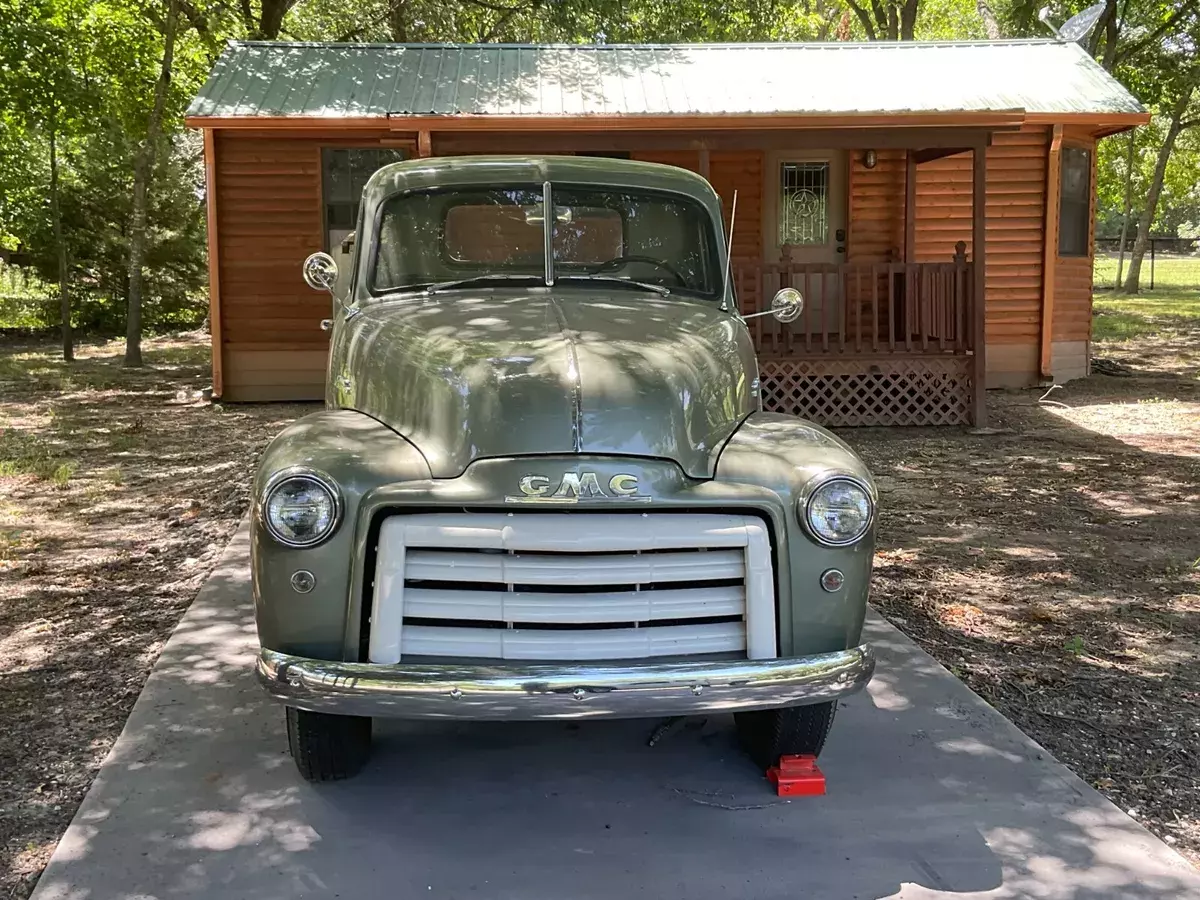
(84,74)
(44,90)
(1178,212)
(96,205)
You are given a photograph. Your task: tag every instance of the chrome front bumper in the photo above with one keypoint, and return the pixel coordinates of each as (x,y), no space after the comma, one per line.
(561,692)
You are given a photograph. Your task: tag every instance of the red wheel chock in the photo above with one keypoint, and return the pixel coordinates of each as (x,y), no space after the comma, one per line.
(797,776)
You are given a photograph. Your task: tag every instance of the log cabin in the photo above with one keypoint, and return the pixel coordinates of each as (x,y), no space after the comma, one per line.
(934,202)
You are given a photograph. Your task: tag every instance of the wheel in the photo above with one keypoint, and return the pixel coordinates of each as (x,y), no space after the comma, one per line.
(327,747)
(768,734)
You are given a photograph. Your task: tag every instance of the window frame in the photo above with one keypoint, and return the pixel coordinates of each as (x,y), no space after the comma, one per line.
(1084,250)
(408,151)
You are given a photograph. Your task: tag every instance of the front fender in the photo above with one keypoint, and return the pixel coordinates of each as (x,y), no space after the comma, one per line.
(789,456)
(359,454)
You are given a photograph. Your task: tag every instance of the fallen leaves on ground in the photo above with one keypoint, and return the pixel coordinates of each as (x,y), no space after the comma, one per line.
(118,489)
(1052,565)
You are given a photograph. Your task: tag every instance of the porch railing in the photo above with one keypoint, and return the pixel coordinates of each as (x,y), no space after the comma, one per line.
(862,309)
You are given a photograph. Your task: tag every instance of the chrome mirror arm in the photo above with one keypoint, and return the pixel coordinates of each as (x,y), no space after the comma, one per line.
(765,312)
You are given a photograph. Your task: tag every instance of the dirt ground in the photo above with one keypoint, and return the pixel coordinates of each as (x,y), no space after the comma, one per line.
(1050,561)
(118,489)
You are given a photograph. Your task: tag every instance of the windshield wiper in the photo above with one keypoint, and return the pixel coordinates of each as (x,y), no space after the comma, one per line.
(477,279)
(613,279)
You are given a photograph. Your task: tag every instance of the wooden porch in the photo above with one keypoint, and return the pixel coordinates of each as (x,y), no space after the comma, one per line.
(877,344)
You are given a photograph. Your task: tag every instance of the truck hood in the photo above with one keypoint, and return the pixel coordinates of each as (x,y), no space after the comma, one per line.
(467,377)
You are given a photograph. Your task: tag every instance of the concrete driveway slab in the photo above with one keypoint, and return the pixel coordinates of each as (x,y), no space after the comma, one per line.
(931,794)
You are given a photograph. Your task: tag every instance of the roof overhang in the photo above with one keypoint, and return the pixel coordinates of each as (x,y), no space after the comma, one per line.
(1101,125)
(1003,120)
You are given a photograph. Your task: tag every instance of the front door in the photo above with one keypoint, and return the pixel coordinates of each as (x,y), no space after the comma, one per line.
(804,209)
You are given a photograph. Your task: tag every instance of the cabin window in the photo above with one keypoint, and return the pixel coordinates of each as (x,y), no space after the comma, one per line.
(803,203)
(1074,206)
(344,174)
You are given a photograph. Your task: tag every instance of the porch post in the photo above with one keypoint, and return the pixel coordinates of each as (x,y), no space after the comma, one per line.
(910,206)
(704,163)
(978,291)
(1050,251)
(214,259)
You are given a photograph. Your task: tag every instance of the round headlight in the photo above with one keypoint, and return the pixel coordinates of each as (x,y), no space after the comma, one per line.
(301,509)
(839,512)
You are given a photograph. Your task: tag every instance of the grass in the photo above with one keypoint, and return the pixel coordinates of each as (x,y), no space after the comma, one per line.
(1170,272)
(23,298)
(1168,312)
(22,453)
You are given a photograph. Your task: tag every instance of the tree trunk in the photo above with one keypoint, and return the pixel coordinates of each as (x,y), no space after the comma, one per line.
(1146,220)
(142,173)
(1128,208)
(865,19)
(271,22)
(64,296)
(908,20)
(398,21)
(991,27)
(1106,31)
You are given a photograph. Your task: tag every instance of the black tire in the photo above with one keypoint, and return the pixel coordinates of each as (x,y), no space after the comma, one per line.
(768,734)
(327,747)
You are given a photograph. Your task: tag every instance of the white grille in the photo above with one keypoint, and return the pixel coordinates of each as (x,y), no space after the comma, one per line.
(572,586)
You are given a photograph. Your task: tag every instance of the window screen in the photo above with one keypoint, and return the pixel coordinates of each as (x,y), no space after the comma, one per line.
(804,203)
(344,174)
(1075,195)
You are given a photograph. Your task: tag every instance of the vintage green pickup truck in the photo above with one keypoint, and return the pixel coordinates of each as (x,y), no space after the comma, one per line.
(543,486)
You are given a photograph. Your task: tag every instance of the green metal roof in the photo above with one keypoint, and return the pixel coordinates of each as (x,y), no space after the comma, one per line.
(381,80)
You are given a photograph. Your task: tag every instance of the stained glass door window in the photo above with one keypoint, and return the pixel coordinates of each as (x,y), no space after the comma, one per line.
(804,203)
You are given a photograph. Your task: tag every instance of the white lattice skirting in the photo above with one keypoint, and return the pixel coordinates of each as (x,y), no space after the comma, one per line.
(870,392)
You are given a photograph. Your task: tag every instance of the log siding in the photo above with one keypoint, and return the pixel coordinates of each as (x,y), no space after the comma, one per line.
(267,215)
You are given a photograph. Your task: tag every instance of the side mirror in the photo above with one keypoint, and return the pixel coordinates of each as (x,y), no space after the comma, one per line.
(320,272)
(786,306)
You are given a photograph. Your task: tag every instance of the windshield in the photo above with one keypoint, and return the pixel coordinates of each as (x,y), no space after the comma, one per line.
(636,235)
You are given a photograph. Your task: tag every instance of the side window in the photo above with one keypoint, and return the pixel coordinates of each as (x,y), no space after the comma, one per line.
(344,174)
(1074,205)
(803,203)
